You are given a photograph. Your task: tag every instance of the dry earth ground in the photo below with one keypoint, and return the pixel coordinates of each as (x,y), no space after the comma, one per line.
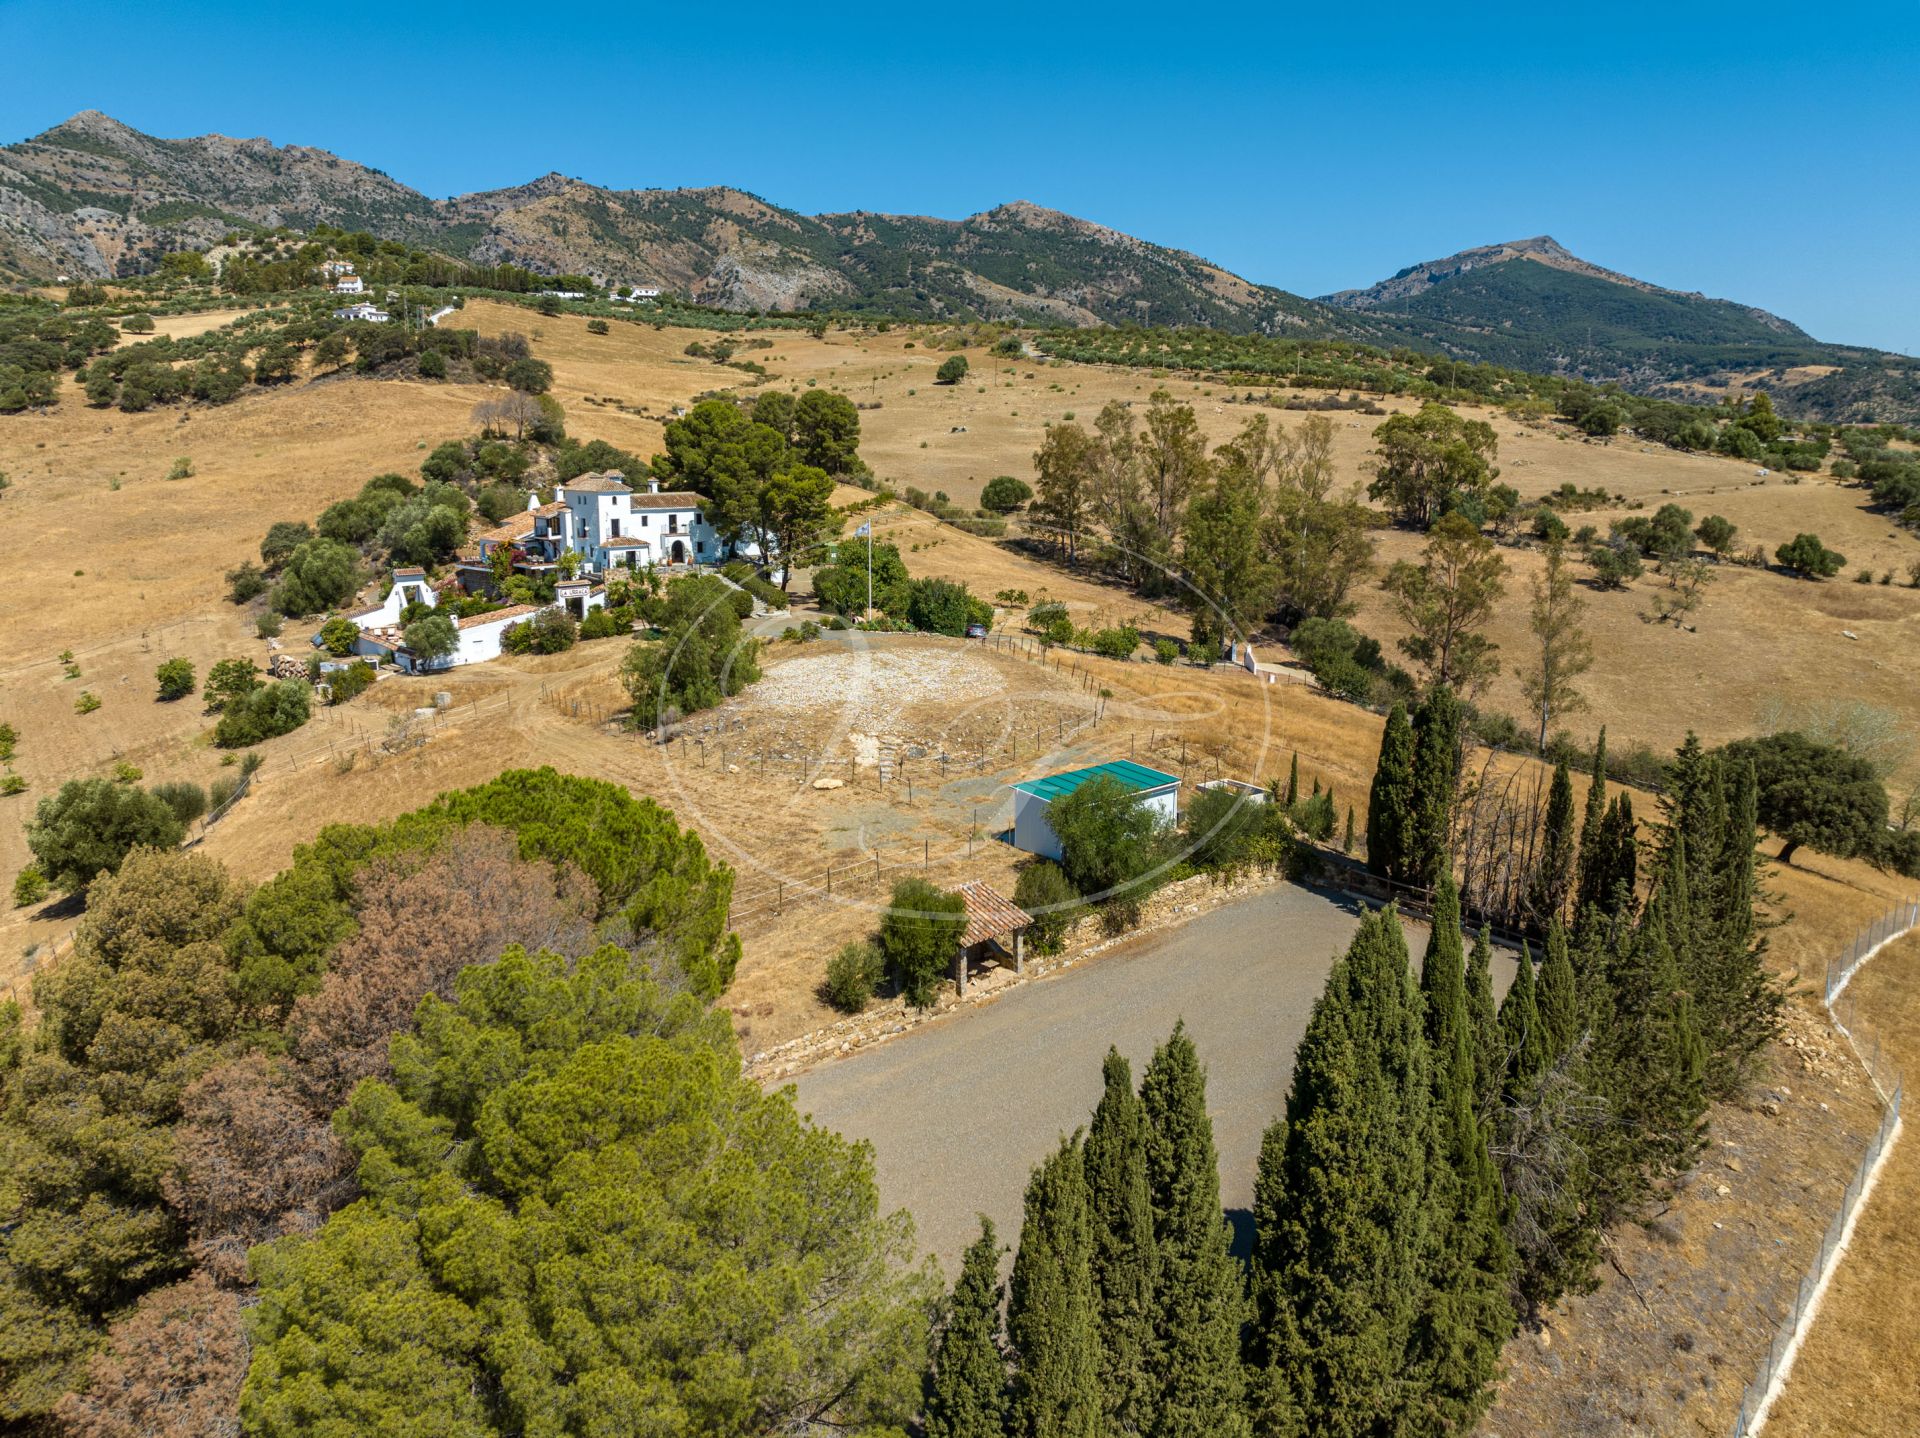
(1858,1373)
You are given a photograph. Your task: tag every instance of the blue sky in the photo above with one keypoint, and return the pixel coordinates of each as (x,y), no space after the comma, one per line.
(1760,153)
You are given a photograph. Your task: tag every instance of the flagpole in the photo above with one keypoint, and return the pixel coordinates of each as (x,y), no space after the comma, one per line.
(868,526)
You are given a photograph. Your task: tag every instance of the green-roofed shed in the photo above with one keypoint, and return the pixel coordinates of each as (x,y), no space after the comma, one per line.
(1158,790)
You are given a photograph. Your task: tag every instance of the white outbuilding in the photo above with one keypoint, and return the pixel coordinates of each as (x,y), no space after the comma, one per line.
(1033,832)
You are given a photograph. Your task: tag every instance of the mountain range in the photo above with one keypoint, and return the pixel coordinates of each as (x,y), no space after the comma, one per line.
(94,197)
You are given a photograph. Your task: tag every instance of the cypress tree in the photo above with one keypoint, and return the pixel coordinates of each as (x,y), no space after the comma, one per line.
(1199,1299)
(1591,820)
(1344,1208)
(1608,877)
(1293,780)
(1552,882)
(1745,998)
(1556,1000)
(1436,776)
(1346,844)
(1468,1316)
(1522,1031)
(1123,1252)
(966,1387)
(1483,1021)
(1390,801)
(1050,1307)
(1443,974)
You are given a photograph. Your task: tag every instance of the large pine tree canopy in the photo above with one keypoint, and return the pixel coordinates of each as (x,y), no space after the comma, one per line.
(579,1216)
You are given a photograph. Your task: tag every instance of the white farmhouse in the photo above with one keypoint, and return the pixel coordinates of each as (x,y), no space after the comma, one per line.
(334,268)
(370,313)
(1033,832)
(350,285)
(639,295)
(601,519)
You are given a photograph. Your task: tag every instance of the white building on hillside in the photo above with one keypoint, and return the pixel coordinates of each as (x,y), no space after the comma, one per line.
(480,637)
(639,295)
(333,268)
(600,518)
(350,285)
(366,310)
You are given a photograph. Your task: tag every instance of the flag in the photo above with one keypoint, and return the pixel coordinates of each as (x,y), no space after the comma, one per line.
(863,529)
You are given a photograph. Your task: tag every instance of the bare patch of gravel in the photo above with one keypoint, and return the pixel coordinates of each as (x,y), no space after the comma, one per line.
(867,689)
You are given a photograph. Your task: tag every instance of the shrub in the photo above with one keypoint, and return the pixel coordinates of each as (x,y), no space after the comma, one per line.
(1166,651)
(551,631)
(938,606)
(175,678)
(598,327)
(1115,643)
(13,784)
(1806,555)
(187,800)
(433,365)
(338,636)
(852,976)
(87,702)
(220,791)
(919,937)
(343,684)
(598,625)
(767,593)
(264,713)
(29,887)
(1109,839)
(1004,494)
(268,625)
(1044,892)
(246,582)
(282,539)
(952,371)
(182,468)
(319,575)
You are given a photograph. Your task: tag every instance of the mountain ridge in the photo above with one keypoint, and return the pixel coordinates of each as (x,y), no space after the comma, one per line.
(94,197)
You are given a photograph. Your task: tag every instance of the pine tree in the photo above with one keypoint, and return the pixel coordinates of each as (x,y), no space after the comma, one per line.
(1483,1024)
(1050,1307)
(1552,881)
(1522,1032)
(966,1388)
(1123,1252)
(1436,777)
(1293,781)
(1557,999)
(1344,1208)
(1390,802)
(1199,1300)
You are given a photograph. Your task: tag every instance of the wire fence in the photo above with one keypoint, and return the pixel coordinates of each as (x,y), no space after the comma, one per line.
(1757,1401)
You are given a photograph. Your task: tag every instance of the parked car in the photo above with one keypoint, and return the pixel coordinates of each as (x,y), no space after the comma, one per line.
(976,631)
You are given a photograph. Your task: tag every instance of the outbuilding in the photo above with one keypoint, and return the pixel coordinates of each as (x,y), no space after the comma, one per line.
(1032,831)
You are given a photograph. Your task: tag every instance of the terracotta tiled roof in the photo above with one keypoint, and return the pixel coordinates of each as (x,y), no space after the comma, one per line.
(989,916)
(627,542)
(670,499)
(547,510)
(512,611)
(605,482)
(506,532)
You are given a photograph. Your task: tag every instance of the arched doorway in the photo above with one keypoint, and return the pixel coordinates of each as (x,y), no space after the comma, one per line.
(678,554)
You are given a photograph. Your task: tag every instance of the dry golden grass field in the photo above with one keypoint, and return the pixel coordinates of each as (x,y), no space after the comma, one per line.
(124,567)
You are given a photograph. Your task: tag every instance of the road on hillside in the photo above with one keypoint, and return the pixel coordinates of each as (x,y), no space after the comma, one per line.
(958,1112)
